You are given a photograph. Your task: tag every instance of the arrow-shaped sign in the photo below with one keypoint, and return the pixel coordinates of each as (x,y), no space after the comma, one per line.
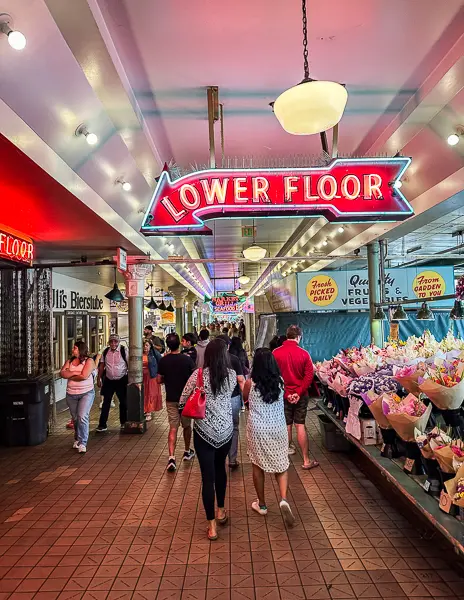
(347,190)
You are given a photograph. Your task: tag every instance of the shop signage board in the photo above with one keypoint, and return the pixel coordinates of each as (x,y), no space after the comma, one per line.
(349,290)
(282,294)
(346,190)
(232,304)
(15,246)
(122,259)
(80,297)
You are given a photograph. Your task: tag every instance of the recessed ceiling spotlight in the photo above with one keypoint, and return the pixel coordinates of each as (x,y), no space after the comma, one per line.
(341,229)
(16,39)
(453,139)
(90,138)
(126,186)
(325,243)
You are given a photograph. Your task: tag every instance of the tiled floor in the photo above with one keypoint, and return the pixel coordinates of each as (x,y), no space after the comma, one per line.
(113,524)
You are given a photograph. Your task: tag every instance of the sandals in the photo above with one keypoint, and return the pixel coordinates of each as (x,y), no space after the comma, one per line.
(224,519)
(312,465)
(212,538)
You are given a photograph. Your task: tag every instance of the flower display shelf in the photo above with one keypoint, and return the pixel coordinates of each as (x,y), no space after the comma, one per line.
(410,487)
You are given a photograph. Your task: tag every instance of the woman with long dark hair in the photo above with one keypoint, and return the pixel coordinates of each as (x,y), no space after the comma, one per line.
(267,436)
(236,348)
(152,399)
(212,435)
(79,370)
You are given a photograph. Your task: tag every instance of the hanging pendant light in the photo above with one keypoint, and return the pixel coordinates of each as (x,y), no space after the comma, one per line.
(424,313)
(399,314)
(170,308)
(311,106)
(115,294)
(162,305)
(254,253)
(240,292)
(243,279)
(152,304)
(380,314)
(457,312)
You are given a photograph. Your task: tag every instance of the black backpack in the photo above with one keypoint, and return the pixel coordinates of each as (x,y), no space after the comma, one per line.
(123,354)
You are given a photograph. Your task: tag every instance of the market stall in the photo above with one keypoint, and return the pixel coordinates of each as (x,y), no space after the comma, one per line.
(402,406)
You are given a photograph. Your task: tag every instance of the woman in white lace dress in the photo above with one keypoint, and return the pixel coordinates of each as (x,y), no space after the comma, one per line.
(267,435)
(212,435)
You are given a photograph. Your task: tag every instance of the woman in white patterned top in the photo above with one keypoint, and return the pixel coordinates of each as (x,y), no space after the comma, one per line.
(267,436)
(212,435)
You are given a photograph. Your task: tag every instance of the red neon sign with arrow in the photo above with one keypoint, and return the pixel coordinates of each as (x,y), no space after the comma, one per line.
(346,190)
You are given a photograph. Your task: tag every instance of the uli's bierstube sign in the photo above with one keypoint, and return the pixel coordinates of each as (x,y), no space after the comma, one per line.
(355,190)
(349,290)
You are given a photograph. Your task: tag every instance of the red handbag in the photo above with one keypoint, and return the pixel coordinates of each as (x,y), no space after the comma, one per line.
(195,407)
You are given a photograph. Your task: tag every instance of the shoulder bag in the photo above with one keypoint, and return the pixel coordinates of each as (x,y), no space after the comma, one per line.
(195,407)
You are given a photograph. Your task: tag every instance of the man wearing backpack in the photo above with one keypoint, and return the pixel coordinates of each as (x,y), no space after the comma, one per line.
(112,379)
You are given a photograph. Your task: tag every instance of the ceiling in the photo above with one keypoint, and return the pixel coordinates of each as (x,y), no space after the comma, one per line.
(136,71)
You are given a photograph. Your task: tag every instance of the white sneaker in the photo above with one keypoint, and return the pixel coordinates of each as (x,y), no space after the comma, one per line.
(291,449)
(82,449)
(287,513)
(261,511)
(75,445)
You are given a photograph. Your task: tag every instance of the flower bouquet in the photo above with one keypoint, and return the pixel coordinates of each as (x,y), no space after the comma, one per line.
(455,488)
(425,442)
(443,383)
(408,376)
(406,414)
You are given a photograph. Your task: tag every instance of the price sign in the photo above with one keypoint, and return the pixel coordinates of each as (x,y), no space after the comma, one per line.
(409,465)
(445,502)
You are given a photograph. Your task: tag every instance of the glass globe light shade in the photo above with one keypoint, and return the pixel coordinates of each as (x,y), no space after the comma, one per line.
(311,107)
(243,279)
(254,253)
(17,40)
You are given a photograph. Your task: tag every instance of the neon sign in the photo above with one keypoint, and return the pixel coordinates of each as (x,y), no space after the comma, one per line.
(346,190)
(15,246)
(226,304)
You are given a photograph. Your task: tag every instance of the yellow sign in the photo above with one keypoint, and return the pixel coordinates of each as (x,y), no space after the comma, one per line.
(322,290)
(168,317)
(428,284)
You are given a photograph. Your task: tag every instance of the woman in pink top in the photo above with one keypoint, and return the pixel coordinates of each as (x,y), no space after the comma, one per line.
(80,392)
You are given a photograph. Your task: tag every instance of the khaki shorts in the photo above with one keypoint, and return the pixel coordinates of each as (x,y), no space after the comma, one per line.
(174,416)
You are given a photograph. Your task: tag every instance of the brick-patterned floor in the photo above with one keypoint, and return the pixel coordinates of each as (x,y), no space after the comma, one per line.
(113,524)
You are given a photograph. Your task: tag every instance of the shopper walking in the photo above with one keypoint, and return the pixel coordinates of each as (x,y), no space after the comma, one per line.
(237,403)
(297,371)
(236,348)
(152,400)
(112,379)
(213,434)
(188,346)
(201,347)
(242,331)
(267,430)
(157,342)
(79,370)
(174,370)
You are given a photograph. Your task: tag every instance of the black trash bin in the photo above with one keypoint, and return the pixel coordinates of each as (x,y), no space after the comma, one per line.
(24,411)
(332,438)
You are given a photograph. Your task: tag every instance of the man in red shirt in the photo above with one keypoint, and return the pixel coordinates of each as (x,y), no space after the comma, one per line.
(297,372)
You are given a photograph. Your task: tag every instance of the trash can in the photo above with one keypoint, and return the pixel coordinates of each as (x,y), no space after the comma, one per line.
(24,411)
(332,437)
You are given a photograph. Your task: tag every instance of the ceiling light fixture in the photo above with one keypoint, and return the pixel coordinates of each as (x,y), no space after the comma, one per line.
(16,39)
(243,279)
(341,229)
(398,184)
(380,314)
(453,139)
(170,308)
(254,253)
(152,304)
(424,313)
(90,138)
(311,106)
(325,243)
(399,314)
(115,294)
(457,312)
(239,292)
(126,186)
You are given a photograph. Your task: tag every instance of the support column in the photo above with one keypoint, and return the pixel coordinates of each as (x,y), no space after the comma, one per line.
(135,289)
(179,293)
(191,299)
(373,270)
